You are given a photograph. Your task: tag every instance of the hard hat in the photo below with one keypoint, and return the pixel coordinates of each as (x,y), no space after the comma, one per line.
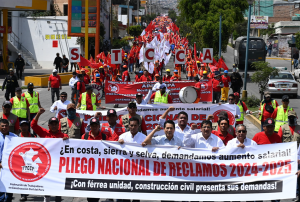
(97,75)
(175,71)
(156,75)
(204,72)
(226,71)
(125,53)
(198,62)
(54,70)
(124,66)
(101,67)
(168,70)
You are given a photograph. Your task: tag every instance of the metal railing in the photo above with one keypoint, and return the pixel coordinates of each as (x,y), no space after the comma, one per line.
(14,39)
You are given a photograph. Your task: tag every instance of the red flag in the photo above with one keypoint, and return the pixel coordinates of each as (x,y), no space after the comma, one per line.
(84,62)
(92,60)
(201,57)
(214,63)
(222,64)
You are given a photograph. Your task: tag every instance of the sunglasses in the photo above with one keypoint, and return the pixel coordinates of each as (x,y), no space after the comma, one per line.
(63,96)
(7,106)
(132,107)
(242,131)
(230,99)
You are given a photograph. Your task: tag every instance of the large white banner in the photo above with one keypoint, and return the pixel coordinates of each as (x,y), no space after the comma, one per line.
(102,169)
(151,113)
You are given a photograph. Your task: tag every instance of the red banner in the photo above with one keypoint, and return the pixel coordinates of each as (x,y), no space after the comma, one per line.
(124,92)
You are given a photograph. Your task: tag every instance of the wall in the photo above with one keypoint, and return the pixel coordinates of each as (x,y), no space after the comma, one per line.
(32,34)
(285,10)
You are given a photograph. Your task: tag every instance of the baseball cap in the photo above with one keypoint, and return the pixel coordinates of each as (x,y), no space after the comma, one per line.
(54,70)
(71,106)
(269,122)
(11,69)
(6,102)
(132,104)
(225,71)
(292,113)
(285,98)
(139,95)
(53,119)
(18,89)
(19,53)
(267,94)
(162,86)
(111,112)
(168,70)
(24,121)
(94,120)
(236,94)
(156,75)
(124,66)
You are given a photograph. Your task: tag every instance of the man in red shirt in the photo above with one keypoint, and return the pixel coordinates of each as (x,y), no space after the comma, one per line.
(12,119)
(197,87)
(266,108)
(222,131)
(112,129)
(131,62)
(86,78)
(168,76)
(55,82)
(227,82)
(146,76)
(138,76)
(80,87)
(19,97)
(125,75)
(268,136)
(217,84)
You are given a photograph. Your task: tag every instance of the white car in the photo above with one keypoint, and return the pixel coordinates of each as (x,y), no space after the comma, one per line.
(283,83)
(296,73)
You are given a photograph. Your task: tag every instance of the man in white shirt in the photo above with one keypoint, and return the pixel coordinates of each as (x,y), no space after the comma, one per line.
(241,140)
(72,81)
(205,139)
(133,135)
(157,85)
(139,97)
(181,128)
(60,104)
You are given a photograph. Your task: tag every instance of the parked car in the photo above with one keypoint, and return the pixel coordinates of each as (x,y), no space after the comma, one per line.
(283,83)
(296,73)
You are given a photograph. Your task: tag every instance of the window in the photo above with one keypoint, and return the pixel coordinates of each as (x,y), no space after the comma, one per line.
(123,11)
(9,19)
(282,76)
(65,9)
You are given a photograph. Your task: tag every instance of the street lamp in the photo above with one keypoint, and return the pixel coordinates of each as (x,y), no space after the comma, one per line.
(244,95)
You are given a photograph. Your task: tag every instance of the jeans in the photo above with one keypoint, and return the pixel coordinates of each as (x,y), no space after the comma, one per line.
(130,67)
(216,97)
(5,197)
(295,63)
(269,51)
(65,69)
(137,66)
(19,71)
(53,92)
(10,91)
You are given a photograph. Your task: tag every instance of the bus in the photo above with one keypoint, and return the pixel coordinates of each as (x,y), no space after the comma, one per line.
(257,51)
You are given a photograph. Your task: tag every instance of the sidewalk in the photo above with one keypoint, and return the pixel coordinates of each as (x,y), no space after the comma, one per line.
(277,58)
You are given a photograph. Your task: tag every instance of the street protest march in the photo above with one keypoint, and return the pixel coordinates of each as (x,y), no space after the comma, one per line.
(151,113)
(124,92)
(105,169)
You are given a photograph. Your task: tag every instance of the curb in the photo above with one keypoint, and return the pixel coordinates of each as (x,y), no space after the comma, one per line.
(289,59)
(254,121)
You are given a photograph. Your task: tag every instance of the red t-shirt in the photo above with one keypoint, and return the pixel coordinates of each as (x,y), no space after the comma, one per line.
(98,137)
(261,138)
(17,124)
(225,80)
(175,78)
(12,101)
(44,133)
(292,129)
(89,105)
(125,76)
(143,78)
(215,84)
(169,98)
(54,80)
(198,85)
(143,126)
(112,135)
(70,122)
(21,135)
(131,60)
(137,79)
(166,78)
(81,88)
(221,136)
(267,114)
(86,79)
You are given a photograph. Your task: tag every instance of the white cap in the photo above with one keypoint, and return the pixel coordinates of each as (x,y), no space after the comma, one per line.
(19,54)
(54,70)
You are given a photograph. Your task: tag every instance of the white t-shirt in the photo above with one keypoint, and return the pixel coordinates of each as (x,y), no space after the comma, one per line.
(60,105)
(138,138)
(235,142)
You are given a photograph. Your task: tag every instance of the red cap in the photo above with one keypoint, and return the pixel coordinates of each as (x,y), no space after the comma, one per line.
(156,74)
(236,94)
(124,66)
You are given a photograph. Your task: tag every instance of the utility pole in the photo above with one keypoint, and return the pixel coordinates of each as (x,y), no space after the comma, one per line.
(128,17)
(138,11)
(258,4)
(220,36)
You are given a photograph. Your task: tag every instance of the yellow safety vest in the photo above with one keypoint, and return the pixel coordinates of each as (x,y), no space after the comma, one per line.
(83,101)
(262,107)
(239,104)
(33,101)
(158,99)
(281,118)
(19,108)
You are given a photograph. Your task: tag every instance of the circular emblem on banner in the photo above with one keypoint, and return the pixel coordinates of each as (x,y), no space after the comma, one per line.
(230,116)
(113,88)
(97,89)
(29,162)
(204,86)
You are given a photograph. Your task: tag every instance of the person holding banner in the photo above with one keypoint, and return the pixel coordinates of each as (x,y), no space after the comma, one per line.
(139,97)
(133,135)
(167,139)
(124,120)
(161,96)
(268,136)
(241,140)
(205,139)
(112,128)
(222,131)
(197,87)
(4,131)
(138,76)
(60,104)
(12,119)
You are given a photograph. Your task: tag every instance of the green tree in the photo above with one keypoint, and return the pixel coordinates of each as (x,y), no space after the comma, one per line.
(240,29)
(172,15)
(203,16)
(185,29)
(297,40)
(135,30)
(262,74)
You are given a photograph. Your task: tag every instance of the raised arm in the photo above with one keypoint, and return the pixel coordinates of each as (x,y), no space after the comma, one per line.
(150,136)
